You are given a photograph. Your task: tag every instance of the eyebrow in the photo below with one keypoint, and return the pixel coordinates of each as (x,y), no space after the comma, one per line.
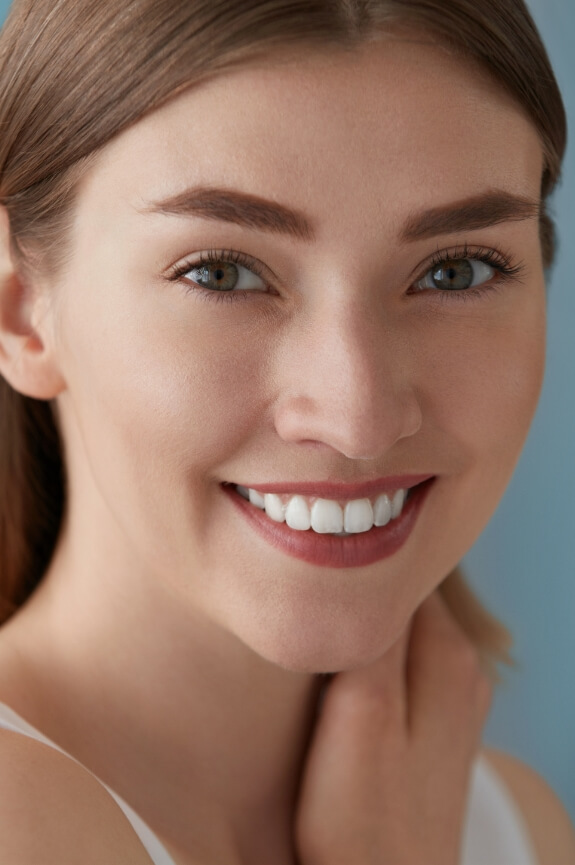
(251,211)
(228,205)
(480,211)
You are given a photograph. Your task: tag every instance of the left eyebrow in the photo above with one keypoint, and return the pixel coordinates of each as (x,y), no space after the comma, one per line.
(480,211)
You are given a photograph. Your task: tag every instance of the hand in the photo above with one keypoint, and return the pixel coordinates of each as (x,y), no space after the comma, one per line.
(388,770)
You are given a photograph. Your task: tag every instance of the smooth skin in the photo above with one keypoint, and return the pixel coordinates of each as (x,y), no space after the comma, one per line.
(169,649)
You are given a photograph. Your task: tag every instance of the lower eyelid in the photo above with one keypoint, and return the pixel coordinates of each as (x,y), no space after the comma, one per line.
(211,296)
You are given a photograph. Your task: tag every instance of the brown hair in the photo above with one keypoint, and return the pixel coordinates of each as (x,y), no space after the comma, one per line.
(74,74)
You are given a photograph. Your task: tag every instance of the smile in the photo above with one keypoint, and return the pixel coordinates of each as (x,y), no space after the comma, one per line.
(327,516)
(323,526)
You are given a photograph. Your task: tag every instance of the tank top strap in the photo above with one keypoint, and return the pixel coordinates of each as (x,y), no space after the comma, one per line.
(10,720)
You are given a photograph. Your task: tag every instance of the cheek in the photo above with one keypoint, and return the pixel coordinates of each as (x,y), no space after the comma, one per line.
(482,390)
(492,383)
(163,398)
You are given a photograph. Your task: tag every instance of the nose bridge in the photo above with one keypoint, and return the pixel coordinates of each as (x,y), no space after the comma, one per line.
(351,388)
(350,350)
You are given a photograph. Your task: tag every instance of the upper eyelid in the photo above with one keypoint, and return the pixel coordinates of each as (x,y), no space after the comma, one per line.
(235,256)
(456,253)
(489,255)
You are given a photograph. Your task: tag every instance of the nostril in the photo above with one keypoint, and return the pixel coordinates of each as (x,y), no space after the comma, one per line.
(360,420)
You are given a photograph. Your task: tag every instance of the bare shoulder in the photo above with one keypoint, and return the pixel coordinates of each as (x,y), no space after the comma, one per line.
(552,832)
(54,810)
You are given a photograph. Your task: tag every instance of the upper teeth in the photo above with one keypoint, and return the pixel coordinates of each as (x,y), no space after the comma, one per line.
(326,516)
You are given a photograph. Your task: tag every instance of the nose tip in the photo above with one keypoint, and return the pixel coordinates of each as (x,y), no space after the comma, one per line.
(359,431)
(348,390)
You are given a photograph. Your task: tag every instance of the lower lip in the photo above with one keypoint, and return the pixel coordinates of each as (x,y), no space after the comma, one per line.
(329,551)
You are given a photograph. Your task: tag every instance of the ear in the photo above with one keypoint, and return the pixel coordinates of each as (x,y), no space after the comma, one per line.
(27,359)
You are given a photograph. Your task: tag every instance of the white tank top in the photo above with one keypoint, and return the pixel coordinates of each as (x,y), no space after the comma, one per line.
(494,832)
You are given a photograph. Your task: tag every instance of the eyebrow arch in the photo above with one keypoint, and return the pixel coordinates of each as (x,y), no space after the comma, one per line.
(228,205)
(480,211)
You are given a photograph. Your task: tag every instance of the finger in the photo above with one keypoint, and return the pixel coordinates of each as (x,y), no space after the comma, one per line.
(363,713)
(374,696)
(448,692)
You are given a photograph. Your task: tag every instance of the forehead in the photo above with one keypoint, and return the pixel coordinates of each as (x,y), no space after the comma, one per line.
(396,124)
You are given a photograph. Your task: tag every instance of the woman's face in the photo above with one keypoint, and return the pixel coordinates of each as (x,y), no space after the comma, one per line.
(315,277)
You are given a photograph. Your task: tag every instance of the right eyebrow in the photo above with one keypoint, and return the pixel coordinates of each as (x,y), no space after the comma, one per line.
(230,205)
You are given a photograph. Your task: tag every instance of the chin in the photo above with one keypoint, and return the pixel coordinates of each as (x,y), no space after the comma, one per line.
(313,659)
(324,643)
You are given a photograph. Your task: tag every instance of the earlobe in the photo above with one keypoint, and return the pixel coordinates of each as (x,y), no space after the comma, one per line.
(26,359)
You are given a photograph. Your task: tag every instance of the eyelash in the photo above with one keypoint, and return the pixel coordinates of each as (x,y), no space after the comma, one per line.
(212,256)
(501,262)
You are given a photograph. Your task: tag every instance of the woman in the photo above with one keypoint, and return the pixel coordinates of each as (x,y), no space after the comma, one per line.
(272,309)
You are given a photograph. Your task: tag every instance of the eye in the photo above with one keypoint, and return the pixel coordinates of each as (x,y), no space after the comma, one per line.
(223,276)
(457,274)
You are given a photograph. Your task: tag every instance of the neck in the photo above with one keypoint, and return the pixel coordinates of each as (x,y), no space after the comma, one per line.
(184,718)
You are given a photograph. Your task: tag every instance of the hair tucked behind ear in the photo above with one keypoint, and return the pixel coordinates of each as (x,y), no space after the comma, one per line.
(76,73)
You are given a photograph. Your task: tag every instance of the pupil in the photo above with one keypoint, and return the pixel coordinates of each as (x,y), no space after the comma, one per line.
(454,275)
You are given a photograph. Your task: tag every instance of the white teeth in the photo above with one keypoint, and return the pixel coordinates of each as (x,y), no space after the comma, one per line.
(358,516)
(257,499)
(397,503)
(274,507)
(297,514)
(382,510)
(326,517)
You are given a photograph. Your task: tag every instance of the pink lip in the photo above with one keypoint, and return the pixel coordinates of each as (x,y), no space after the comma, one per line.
(330,551)
(335,490)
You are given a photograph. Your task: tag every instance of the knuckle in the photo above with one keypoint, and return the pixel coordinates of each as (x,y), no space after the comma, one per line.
(484,693)
(470,684)
(461,656)
(474,697)
(369,706)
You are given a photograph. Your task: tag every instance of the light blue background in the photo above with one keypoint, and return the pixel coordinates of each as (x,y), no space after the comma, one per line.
(524,565)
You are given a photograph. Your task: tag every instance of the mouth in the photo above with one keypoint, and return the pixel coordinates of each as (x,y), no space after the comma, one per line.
(334,525)
(327,516)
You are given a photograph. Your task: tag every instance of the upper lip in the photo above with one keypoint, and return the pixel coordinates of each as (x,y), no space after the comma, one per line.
(341,490)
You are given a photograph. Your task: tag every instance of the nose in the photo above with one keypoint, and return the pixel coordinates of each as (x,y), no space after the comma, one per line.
(347,383)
